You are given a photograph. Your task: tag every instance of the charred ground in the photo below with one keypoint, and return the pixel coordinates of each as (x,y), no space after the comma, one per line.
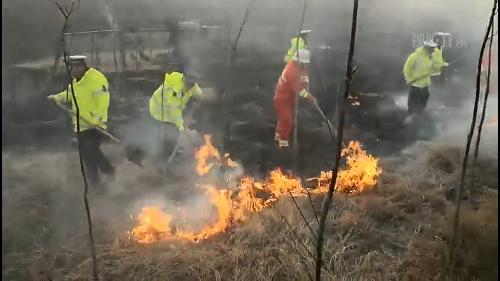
(397,232)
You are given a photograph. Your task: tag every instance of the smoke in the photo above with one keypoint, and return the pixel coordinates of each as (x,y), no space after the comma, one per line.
(455,128)
(388,31)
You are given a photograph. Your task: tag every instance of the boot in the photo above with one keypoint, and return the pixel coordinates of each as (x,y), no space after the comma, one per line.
(276,137)
(283,144)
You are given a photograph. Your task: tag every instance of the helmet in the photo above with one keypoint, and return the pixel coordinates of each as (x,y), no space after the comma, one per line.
(304,32)
(76,59)
(304,56)
(175,80)
(430,44)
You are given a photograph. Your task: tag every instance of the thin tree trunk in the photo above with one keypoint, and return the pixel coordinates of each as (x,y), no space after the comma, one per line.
(342,109)
(66,12)
(456,219)
(296,108)
(483,114)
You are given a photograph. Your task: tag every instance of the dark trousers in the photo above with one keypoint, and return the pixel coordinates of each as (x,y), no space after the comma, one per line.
(92,156)
(417,99)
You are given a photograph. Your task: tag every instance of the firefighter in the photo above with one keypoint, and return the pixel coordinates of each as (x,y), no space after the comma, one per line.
(437,56)
(166,107)
(297,42)
(417,72)
(91,90)
(293,80)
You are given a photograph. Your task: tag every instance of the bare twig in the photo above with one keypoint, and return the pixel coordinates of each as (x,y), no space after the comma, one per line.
(66,12)
(283,218)
(293,231)
(243,23)
(302,215)
(483,114)
(312,205)
(328,198)
(456,219)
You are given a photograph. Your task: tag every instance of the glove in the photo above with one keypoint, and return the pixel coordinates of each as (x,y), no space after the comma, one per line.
(197,90)
(304,93)
(445,64)
(52,98)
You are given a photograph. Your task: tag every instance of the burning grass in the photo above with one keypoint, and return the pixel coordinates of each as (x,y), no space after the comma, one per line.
(251,196)
(370,236)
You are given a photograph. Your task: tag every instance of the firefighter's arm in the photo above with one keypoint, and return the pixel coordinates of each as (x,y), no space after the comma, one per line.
(437,59)
(304,80)
(63,97)
(194,92)
(408,68)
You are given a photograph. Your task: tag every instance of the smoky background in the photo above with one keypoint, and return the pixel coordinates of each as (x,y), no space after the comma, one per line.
(388,31)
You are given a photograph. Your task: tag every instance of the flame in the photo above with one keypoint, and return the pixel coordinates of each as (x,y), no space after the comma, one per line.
(209,152)
(203,154)
(361,174)
(222,201)
(154,225)
(251,196)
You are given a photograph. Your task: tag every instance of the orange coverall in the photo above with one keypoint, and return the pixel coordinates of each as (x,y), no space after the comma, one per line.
(291,82)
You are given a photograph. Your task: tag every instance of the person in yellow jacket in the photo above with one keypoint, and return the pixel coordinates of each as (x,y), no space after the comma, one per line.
(167,105)
(297,42)
(417,72)
(437,56)
(91,90)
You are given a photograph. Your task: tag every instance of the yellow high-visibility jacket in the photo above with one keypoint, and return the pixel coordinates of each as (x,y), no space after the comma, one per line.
(169,100)
(418,66)
(295,41)
(437,61)
(92,96)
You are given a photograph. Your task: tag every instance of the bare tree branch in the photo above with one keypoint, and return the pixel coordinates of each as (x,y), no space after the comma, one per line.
(458,197)
(66,14)
(312,205)
(296,109)
(328,198)
(483,114)
(302,214)
(243,22)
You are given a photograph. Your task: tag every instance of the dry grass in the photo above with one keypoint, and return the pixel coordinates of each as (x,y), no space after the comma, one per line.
(399,231)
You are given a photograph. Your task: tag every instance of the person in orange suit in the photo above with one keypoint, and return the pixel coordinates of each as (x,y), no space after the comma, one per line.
(293,80)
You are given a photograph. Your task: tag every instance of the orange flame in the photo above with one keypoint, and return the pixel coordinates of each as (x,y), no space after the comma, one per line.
(362,172)
(252,196)
(223,204)
(154,225)
(209,152)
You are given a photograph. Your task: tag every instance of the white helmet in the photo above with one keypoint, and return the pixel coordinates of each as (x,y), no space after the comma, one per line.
(430,44)
(304,56)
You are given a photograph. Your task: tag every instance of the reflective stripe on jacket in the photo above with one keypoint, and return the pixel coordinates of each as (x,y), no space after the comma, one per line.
(92,96)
